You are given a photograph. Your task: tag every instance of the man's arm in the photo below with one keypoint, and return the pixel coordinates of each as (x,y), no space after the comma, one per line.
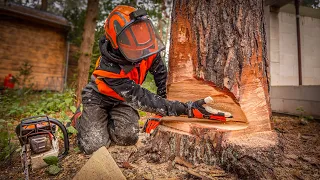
(142,99)
(159,71)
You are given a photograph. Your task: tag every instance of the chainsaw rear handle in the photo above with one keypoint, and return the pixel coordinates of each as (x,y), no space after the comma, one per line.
(44,118)
(65,136)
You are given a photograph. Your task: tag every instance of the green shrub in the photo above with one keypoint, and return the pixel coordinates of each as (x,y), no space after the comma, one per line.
(150,84)
(6,135)
(16,106)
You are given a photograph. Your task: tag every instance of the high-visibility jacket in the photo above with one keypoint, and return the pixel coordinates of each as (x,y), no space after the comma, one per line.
(138,74)
(114,80)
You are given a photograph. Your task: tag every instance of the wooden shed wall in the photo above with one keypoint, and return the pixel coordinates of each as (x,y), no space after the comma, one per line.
(42,46)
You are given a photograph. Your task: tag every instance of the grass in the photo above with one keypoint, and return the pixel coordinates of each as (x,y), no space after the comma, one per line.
(18,104)
(21,103)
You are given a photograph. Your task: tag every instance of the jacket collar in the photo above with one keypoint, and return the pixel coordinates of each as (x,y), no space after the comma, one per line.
(113,55)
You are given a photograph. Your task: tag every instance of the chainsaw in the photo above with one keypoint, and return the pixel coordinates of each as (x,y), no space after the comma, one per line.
(38,138)
(216,115)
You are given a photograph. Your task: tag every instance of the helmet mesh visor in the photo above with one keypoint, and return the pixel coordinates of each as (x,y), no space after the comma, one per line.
(139,40)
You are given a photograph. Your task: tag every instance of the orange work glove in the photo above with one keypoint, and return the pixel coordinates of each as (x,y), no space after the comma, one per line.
(151,124)
(196,110)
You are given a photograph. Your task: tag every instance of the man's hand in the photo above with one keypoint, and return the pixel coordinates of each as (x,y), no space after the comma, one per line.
(196,110)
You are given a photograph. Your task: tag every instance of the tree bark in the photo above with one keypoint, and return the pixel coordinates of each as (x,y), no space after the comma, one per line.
(86,46)
(44,5)
(221,44)
(218,49)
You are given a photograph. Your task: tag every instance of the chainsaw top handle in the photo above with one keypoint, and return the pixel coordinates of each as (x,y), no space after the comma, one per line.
(44,119)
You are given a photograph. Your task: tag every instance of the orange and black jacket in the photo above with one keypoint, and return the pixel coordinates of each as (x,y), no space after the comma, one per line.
(118,80)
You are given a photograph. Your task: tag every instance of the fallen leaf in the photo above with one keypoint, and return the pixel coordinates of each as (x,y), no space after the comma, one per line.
(127,165)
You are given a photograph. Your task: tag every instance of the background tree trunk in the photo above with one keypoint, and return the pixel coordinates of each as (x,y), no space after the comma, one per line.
(86,46)
(44,5)
(218,48)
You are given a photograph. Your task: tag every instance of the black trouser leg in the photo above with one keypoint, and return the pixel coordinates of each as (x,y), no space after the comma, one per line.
(123,125)
(92,128)
(101,123)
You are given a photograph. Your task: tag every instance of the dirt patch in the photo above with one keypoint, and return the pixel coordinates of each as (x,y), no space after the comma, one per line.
(70,166)
(300,144)
(301,148)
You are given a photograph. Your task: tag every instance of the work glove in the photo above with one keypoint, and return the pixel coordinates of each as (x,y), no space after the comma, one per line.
(151,124)
(196,110)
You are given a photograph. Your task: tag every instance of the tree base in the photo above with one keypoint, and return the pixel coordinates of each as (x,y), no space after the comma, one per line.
(248,156)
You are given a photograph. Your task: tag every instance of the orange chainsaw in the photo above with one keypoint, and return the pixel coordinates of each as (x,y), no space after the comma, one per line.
(195,110)
(38,138)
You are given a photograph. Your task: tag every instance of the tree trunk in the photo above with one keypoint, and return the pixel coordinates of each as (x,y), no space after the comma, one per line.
(222,44)
(86,46)
(218,49)
(44,5)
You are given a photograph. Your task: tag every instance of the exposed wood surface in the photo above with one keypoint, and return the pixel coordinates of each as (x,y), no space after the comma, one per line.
(100,166)
(221,52)
(192,90)
(193,126)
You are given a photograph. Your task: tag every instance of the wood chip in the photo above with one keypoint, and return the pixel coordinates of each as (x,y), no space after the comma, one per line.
(193,173)
(182,162)
(218,175)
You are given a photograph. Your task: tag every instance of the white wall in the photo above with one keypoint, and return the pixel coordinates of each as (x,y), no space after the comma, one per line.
(283,50)
(310,48)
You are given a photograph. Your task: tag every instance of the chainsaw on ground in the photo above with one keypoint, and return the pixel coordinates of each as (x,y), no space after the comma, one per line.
(38,138)
(195,110)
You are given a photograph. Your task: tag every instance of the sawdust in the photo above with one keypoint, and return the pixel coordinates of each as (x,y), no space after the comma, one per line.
(301,159)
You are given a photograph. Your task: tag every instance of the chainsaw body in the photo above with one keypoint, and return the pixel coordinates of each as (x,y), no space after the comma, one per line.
(37,136)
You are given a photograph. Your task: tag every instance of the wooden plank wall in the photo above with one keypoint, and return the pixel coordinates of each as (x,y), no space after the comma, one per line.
(43,47)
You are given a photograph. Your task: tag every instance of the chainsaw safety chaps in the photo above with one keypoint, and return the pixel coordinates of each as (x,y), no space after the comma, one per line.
(102,123)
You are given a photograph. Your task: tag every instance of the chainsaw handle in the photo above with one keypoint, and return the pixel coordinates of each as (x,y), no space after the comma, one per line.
(33,117)
(65,136)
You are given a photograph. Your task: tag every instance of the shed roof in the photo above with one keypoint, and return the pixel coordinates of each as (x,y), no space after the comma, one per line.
(34,15)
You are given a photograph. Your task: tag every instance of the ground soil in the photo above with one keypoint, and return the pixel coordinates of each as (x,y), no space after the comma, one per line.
(299,141)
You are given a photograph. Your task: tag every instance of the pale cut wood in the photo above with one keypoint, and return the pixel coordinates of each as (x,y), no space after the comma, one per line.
(192,90)
(191,127)
(182,162)
(100,166)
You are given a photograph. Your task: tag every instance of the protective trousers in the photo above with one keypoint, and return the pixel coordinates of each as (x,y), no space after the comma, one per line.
(103,122)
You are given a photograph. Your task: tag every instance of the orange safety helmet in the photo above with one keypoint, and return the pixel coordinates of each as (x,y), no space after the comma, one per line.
(131,31)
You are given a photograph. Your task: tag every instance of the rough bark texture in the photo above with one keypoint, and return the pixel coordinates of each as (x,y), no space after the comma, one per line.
(248,156)
(86,46)
(223,43)
(218,49)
